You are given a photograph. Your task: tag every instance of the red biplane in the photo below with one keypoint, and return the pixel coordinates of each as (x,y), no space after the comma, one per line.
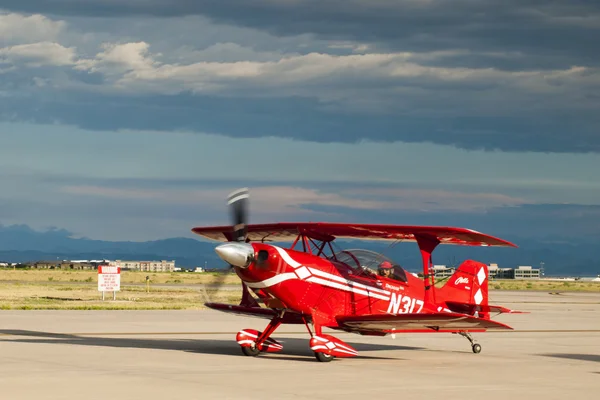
(358,291)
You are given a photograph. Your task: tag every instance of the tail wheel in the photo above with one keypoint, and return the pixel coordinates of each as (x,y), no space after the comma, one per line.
(322,357)
(476,348)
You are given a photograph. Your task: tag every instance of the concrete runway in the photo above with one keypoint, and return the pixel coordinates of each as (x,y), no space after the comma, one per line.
(553,353)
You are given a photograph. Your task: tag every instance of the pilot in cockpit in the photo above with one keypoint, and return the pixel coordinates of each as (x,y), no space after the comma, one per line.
(386,269)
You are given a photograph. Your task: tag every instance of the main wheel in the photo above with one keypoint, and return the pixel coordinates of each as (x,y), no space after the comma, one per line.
(250,351)
(476,348)
(322,357)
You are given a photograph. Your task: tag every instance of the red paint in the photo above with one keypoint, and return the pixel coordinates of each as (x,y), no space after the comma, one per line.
(333,291)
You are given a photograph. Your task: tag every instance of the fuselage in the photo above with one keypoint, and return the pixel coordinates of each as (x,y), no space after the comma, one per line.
(325,288)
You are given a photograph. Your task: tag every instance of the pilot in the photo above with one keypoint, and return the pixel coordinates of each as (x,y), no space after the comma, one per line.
(386,269)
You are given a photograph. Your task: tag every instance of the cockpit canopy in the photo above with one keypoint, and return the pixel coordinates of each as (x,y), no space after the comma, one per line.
(367,261)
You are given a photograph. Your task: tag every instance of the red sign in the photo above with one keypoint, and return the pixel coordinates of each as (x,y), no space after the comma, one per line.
(105,269)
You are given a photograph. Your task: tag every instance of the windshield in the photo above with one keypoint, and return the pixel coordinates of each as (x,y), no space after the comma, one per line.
(369,261)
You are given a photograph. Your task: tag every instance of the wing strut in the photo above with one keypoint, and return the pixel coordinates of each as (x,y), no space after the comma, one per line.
(427,244)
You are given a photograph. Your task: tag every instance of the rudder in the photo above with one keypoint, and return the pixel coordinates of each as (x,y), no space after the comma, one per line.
(468,286)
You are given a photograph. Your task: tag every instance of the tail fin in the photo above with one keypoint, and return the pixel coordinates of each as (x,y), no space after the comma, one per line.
(467,290)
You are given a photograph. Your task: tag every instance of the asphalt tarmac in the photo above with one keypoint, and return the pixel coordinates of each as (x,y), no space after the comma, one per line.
(553,353)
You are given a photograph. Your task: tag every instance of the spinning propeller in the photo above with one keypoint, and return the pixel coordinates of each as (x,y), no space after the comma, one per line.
(238,204)
(237,252)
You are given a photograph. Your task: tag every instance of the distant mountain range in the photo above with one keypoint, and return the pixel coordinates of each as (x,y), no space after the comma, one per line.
(20,243)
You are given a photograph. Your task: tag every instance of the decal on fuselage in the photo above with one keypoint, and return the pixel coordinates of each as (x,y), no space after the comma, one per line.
(392,287)
(408,304)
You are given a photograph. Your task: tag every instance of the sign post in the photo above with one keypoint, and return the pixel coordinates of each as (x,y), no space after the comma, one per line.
(109,280)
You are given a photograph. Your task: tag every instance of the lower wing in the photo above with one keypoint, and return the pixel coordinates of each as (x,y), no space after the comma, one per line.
(439,322)
(467,308)
(288,317)
(243,310)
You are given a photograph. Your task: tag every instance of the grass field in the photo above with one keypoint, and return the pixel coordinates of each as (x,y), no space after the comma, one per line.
(44,296)
(77,290)
(55,275)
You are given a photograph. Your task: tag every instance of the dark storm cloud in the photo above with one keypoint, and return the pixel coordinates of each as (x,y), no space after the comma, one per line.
(304,119)
(561,33)
(473,109)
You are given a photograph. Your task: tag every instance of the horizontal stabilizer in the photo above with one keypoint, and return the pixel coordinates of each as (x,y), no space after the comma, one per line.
(413,322)
(466,308)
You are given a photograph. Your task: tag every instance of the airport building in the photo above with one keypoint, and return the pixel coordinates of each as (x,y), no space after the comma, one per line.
(151,266)
(441,271)
(526,272)
(495,272)
(68,264)
(521,272)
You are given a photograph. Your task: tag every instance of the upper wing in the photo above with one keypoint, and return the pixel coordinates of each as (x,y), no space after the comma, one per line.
(415,322)
(327,231)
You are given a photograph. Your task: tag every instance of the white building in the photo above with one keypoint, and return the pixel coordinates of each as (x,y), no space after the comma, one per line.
(441,271)
(151,266)
(526,272)
(496,272)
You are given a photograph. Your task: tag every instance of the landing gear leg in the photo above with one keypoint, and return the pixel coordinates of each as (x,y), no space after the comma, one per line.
(274,324)
(474,346)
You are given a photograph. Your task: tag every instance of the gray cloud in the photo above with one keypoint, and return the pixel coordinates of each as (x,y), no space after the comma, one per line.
(558,33)
(304,119)
(479,89)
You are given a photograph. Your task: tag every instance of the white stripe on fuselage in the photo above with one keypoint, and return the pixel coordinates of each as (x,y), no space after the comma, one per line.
(295,264)
(286,257)
(343,284)
(271,281)
(346,281)
(335,285)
